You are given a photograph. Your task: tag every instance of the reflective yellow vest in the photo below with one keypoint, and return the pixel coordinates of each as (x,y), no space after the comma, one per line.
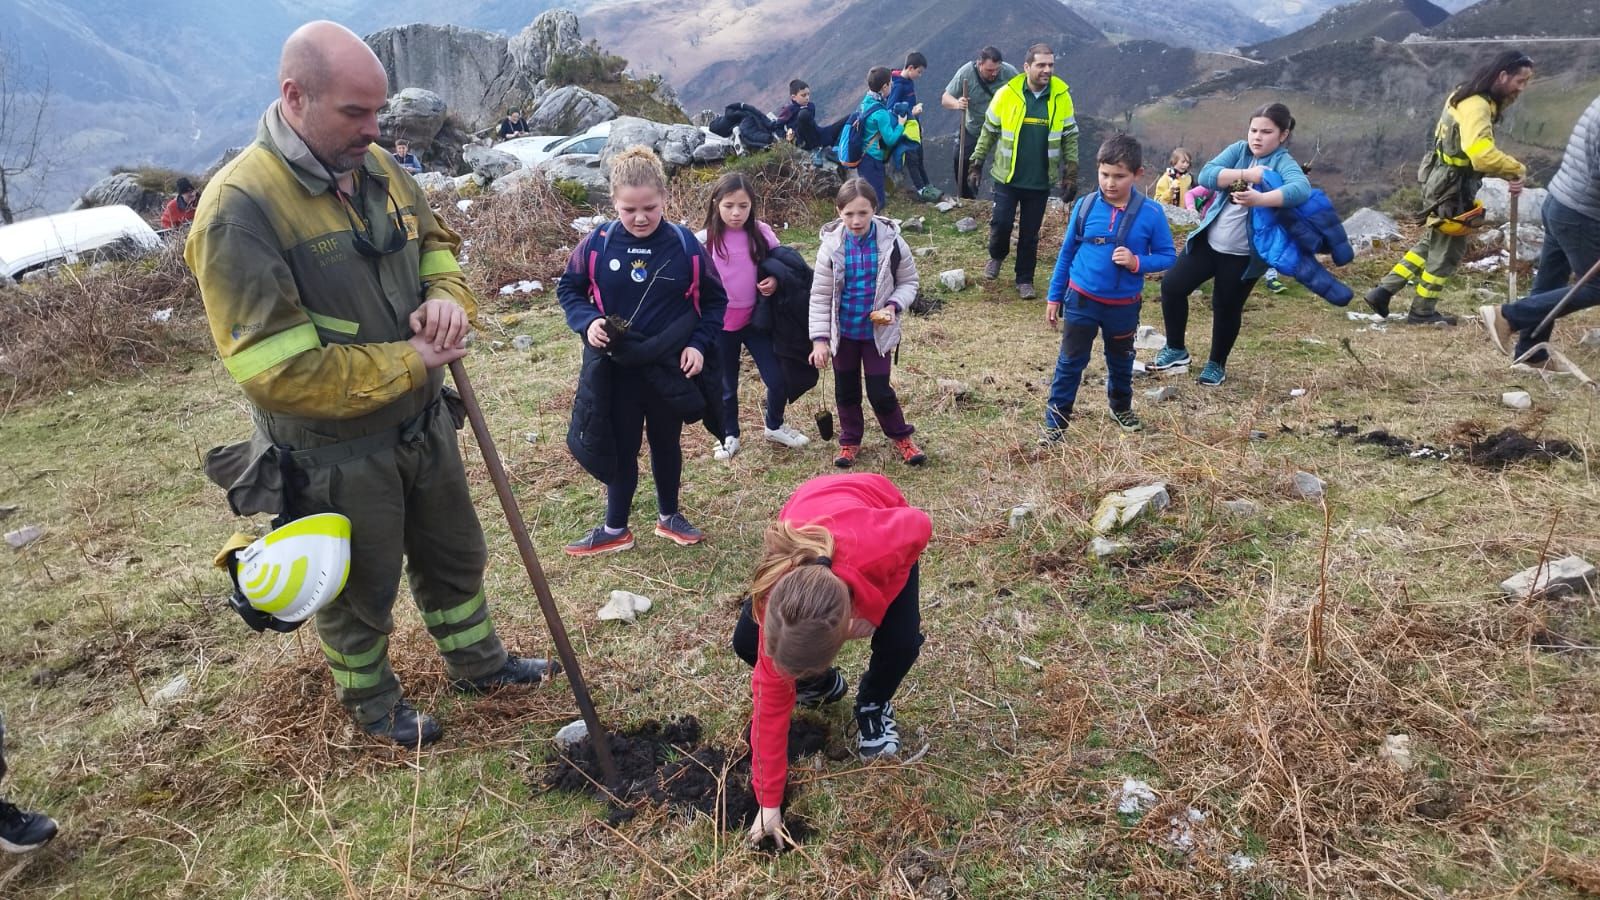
(1003,122)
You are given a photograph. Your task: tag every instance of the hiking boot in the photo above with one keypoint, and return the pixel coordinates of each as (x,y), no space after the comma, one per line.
(1170,358)
(1213,374)
(910,452)
(1052,436)
(726,449)
(1126,420)
(878,735)
(406,726)
(1500,331)
(21,831)
(1025,290)
(847,455)
(829,688)
(991,269)
(1429,318)
(1378,299)
(517,670)
(930,194)
(786,436)
(1274,285)
(598,541)
(677,529)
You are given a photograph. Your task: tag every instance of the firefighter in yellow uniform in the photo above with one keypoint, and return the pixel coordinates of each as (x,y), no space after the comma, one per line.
(1463,154)
(335,301)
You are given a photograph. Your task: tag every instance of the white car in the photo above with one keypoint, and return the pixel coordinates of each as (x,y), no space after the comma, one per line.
(534,150)
(66,238)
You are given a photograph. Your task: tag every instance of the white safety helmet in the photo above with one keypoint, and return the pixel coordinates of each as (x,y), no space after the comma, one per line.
(297,569)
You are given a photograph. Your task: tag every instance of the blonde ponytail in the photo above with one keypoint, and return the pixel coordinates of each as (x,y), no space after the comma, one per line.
(638,166)
(803,607)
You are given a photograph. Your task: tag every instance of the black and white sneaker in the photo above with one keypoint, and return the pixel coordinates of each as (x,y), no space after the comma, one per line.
(23,831)
(878,734)
(829,688)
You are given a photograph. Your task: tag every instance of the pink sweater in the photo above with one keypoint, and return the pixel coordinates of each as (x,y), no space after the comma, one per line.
(738,273)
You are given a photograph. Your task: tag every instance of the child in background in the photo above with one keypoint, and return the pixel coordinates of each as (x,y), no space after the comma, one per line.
(865,278)
(798,117)
(902,101)
(739,242)
(1113,240)
(881,129)
(839,564)
(1172,188)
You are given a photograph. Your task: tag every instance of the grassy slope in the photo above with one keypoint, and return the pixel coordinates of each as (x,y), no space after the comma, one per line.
(253,784)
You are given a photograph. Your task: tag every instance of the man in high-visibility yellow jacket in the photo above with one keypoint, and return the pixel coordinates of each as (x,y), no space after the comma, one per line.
(1031,128)
(335,300)
(1463,154)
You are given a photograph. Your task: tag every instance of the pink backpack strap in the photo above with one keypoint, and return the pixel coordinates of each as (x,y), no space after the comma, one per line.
(594,260)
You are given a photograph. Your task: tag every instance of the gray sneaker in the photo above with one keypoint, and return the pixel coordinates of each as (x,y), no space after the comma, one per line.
(1025,291)
(991,269)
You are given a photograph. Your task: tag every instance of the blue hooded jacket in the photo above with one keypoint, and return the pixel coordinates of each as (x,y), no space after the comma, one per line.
(1290,238)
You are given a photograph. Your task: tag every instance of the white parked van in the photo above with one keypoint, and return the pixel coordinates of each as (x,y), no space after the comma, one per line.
(81,236)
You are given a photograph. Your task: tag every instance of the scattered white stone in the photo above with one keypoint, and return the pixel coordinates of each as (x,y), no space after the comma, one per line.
(530,286)
(162,315)
(1101,548)
(954,279)
(1030,662)
(24,536)
(1591,338)
(1181,836)
(951,388)
(1307,486)
(1517,399)
(1149,338)
(531,437)
(1242,507)
(1556,578)
(923,251)
(1354,316)
(623,607)
(1397,749)
(1135,797)
(1297,392)
(586,224)
(464,205)
(1178,216)
(966,224)
(1367,227)
(915,223)
(1311,340)
(1164,392)
(522,342)
(1238,862)
(945,205)
(1121,507)
(571,734)
(1140,370)
(1020,514)
(174,691)
(1490,263)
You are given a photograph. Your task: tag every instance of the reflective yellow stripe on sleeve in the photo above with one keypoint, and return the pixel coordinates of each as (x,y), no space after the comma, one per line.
(263,355)
(437,262)
(330,323)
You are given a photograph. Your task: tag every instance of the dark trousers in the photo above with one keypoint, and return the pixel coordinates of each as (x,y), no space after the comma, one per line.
(636,409)
(871,169)
(760,344)
(895,645)
(806,134)
(908,155)
(852,361)
(1571,246)
(1084,319)
(1229,289)
(963,166)
(1011,204)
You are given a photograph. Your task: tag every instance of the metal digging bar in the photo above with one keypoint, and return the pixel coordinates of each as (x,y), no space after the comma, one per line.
(530,561)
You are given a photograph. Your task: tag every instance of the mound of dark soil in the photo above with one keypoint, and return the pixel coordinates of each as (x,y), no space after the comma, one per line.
(1501,449)
(665,764)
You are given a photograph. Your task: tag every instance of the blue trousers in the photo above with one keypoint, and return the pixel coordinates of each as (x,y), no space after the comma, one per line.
(872,170)
(1083,320)
(760,344)
(1571,246)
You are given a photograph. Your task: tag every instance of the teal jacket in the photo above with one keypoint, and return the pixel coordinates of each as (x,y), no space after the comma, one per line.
(882,129)
(1296,188)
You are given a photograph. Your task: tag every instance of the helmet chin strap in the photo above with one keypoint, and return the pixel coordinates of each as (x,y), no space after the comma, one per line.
(255,618)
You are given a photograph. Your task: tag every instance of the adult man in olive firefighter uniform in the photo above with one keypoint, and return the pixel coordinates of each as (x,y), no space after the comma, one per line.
(335,301)
(1463,154)
(1033,132)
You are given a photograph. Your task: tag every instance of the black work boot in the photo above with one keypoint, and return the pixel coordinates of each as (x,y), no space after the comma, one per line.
(1431,317)
(517,670)
(407,726)
(1378,299)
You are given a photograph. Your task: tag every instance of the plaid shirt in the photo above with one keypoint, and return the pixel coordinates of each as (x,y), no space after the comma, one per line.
(860,285)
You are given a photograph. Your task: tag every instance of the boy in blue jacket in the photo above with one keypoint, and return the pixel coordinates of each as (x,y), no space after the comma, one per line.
(1114,238)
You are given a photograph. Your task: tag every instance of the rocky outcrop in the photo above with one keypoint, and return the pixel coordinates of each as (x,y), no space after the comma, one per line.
(631,131)
(570,110)
(414,115)
(552,34)
(585,170)
(490,163)
(121,189)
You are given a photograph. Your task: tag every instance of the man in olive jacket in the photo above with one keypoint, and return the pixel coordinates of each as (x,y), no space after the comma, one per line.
(335,301)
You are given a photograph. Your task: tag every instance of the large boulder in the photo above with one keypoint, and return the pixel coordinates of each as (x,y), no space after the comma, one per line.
(1178,216)
(1495,195)
(414,115)
(489,163)
(471,71)
(553,34)
(679,143)
(509,182)
(570,110)
(121,189)
(1367,227)
(585,169)
(629,131)
(435,181)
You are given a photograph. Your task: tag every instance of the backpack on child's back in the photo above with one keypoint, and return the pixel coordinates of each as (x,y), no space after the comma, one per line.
(852,143)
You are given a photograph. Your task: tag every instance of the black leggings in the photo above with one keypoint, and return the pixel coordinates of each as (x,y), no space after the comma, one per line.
(636,408)
(895,645)
(1229,289)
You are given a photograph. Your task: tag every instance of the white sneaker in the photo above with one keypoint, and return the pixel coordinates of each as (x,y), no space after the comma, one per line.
(730,446)
(786,436)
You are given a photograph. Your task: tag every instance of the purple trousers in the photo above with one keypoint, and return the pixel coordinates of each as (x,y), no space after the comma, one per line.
(855,359)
